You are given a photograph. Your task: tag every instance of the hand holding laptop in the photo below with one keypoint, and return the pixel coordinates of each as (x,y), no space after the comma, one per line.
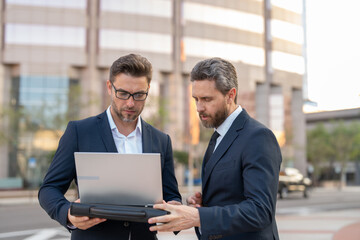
(180,217)
(174,203)
(83,222)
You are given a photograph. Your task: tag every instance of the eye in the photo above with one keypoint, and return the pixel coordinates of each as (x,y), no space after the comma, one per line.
(139,95)
(123,94)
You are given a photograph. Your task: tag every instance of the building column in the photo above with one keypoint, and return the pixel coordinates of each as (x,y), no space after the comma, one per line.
(299,131)
(263,89)
(4,150)
(262,103)
(90,80)
(176,86)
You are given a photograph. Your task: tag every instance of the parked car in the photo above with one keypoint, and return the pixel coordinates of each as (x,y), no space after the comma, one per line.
(291,180)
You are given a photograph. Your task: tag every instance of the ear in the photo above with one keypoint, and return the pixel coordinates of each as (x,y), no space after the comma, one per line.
(231,96)
(108,87)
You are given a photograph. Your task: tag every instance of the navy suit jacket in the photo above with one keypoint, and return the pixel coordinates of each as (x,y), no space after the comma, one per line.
(239,184)
(94,135)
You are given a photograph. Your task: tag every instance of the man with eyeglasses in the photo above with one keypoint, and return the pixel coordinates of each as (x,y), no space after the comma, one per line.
(119,129)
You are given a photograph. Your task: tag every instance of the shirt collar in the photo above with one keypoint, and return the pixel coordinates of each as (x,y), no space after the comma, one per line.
(225,126)
(113,126)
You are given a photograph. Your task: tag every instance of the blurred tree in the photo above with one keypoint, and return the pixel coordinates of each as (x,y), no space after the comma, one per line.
(159,116)
(339,143)
(181,157)
(355,152)
(21,129)
(341,146)
(318,149)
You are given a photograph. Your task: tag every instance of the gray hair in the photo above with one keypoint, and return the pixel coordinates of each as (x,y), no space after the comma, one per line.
(218,70)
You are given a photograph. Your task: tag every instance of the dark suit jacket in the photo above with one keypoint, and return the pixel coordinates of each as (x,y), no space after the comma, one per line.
(239,184)
(94,135)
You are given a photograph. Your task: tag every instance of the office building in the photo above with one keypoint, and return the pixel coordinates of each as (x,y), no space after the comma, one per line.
(52,48)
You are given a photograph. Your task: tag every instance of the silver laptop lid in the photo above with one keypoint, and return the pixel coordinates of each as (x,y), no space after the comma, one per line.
(120,179)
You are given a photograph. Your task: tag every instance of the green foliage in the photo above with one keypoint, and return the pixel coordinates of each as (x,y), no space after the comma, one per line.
(160,117)
(19,127)
(355,147)
(181,157)
(338,143)
(318,144)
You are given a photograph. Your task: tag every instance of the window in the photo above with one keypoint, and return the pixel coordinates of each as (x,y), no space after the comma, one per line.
(223,17)
(277,114)
(159,8)
(77,4)
(33,34)
(140,41)
(43,98)
(199,47)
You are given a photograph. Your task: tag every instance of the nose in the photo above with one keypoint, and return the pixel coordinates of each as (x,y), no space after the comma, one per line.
(130,102)
(200,107)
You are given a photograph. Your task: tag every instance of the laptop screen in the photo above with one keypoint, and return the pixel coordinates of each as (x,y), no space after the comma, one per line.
(119,179)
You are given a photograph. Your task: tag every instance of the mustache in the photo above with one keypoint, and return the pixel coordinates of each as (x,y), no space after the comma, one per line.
(201,114)
(128,109)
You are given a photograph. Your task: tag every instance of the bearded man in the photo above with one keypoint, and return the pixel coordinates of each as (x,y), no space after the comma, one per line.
(240,168)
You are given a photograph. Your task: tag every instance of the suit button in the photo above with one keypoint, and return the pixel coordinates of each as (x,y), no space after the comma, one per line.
(126,224)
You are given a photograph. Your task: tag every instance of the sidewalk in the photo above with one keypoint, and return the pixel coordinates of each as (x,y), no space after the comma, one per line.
(327,225)
(183,190)
(30,196)
(27,196)
(349,232)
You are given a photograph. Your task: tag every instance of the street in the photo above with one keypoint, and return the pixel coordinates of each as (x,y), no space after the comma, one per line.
(320,217)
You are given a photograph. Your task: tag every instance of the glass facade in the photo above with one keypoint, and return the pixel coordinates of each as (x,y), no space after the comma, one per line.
(43,98)
(200,47)
(78,4)
(288,62)
(287,31)
(224,17)
(43,35)
(159,8)
(131,40)
(46,43)
(40,112)
(294,5)
(277,114)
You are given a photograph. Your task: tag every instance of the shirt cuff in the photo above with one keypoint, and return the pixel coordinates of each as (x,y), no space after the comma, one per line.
(71,227)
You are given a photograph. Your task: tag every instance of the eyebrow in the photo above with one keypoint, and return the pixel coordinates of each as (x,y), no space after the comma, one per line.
(122,90)
(202,97)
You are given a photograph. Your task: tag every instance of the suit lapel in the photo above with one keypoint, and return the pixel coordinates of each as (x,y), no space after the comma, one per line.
(105,132)
(224,145)
(146,137)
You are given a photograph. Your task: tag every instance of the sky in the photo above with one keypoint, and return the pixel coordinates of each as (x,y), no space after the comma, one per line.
(333,49)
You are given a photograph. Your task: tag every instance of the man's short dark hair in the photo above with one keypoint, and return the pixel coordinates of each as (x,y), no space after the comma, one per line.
(218,70)
(134,65)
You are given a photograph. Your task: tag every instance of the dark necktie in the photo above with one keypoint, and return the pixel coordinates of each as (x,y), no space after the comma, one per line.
(211,147)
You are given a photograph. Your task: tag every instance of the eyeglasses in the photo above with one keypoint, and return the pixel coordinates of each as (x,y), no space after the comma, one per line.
(124,95)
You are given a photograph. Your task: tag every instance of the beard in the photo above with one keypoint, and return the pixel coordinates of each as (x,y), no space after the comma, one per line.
(127,117)
(216,120)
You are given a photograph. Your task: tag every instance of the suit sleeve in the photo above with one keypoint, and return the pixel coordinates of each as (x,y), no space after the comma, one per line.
(260,163)
(170,185)
(59,177)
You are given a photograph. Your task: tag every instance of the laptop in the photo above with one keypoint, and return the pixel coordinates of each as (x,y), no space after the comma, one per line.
(119,179)
(118,186)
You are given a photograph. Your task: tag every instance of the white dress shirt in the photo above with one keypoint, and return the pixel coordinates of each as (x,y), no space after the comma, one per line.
(225,126)
(131,143)
(126,144)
